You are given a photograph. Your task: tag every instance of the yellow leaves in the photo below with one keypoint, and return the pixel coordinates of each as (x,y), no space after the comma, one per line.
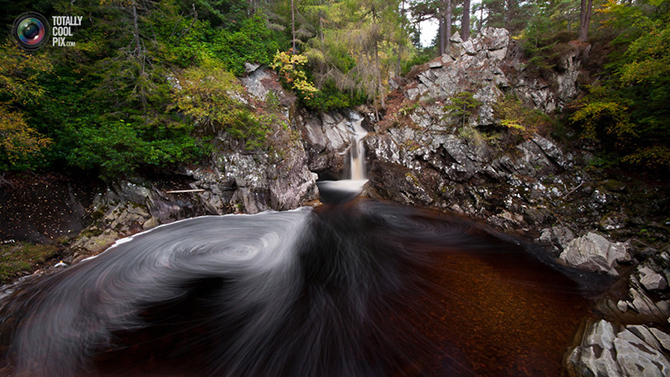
(289,67)
(592,113)
(18,83)
(649,58)
(658,155)
(19,71)
(513,123)
(17,139)
(517,118)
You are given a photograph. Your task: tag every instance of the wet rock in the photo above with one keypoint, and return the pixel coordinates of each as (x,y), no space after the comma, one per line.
(151,223)
(398,183)
(594,252)
(662,338)
(609,350)
(637,358)
(95,244)
(327,138)
(595,355)
(561,235)
(648,309)
(650,279)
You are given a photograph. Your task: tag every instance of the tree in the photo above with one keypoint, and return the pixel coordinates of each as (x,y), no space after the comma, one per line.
(293,39)
(584,19)
(465,21)
(440,10)
(19,87)
(355,45)
(628,112)
(510,14)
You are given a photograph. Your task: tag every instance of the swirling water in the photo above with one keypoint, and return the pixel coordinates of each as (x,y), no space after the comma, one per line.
(357,289)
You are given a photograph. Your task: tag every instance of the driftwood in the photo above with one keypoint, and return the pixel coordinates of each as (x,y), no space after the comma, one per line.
(183,191)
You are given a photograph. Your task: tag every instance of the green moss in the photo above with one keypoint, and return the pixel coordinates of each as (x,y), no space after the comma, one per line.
(20,256)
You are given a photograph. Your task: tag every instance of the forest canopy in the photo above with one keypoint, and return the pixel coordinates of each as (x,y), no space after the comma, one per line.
(109,104)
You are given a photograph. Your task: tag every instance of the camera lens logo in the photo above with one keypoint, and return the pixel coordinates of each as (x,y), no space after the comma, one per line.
(30,30)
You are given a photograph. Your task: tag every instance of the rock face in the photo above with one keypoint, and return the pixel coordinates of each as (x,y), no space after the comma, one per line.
(593,252)
(236,179)
(468,162)
(252,182)
(490,66)
(464,173)
(610,350)
(427,153)
(327,138)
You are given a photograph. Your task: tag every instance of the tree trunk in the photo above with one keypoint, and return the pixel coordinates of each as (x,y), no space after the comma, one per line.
(377,67)
(440,38)
(447,26)
(293,26)
(584,19)
(465,21)
(481,17)
(379,78)
(136,32)
(400,45)
(508,15)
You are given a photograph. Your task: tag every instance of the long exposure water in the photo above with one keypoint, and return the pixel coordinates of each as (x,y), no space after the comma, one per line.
(346,189)
(362,288)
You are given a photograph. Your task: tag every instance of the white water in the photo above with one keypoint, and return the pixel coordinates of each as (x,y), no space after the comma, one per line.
(357,153)
(357,177)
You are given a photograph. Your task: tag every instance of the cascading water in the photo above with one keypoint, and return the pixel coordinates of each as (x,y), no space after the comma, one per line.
(357,153)
(358,289)
(346,189)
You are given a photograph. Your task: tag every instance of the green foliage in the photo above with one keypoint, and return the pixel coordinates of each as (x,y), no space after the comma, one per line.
(418,57)
(517,118)
(18,141)
(116,148)
(19,88)
(628,113)
(254,43)
(330,98)
(544,39)
(112,105)
(462,106)
(210,95)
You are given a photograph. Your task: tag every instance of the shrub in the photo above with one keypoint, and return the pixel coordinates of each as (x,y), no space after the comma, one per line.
(519,119)
(211,96)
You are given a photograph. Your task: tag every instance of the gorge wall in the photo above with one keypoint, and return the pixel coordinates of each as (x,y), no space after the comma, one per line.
(431,149)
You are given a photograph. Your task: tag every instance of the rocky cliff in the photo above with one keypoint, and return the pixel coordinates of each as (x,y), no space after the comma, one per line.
(235,179)
(449,140)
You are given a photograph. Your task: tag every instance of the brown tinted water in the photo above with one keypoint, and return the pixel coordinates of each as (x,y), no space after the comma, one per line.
(359,289)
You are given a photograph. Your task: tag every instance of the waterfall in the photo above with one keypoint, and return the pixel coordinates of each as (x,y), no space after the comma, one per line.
(357,153)
(347,189)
